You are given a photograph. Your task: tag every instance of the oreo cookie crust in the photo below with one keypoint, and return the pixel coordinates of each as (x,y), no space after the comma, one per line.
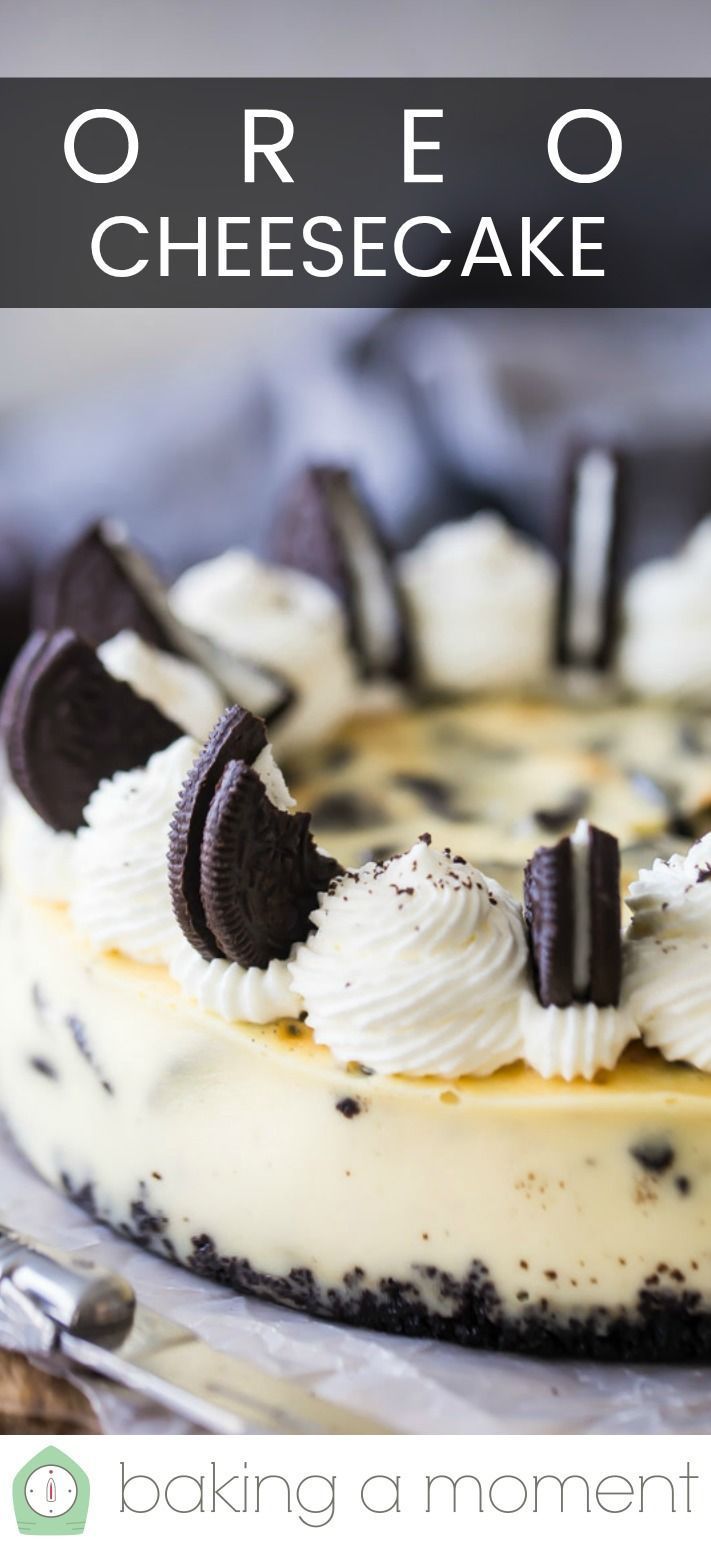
(67,724)
(325,529)
(572,912)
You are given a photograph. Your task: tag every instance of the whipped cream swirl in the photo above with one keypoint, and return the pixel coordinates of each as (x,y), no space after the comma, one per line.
(665,646)
(120,898)
(482,601)
(668,987)
(238,994)
(576,1040)
(181,690)
(673,897)
(668,978)
(286,621)
(415,967)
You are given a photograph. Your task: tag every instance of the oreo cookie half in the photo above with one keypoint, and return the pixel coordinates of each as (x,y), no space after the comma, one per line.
(326,529)
(102,585)
(260,871)
(99,587)
(572,911)
(589,548)
(238,736)
(67,724)
(244,876)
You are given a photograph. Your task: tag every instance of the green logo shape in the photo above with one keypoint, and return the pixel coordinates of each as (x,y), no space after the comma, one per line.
(51,1495)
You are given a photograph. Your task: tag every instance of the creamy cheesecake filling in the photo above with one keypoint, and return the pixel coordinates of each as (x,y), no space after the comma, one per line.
(250,1154)
(493,778)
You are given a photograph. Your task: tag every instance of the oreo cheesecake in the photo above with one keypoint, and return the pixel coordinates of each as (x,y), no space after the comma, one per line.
(317,975)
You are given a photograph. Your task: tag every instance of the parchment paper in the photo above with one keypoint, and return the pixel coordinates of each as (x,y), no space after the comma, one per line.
(408,1386)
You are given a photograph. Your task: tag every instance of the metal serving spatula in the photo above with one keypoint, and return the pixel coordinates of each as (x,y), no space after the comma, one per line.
(64,1306)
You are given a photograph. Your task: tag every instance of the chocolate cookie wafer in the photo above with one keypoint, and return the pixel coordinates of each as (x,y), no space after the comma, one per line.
(326,529)
(102,586)
(238,736)
(244,875)
(260,871)
(67,724)
(572,911)
(588,546)
(16,580)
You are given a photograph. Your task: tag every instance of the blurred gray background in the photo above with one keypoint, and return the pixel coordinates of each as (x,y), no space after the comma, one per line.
(186,422)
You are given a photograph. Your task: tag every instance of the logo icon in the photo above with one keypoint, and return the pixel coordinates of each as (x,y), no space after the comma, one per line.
(51,1495)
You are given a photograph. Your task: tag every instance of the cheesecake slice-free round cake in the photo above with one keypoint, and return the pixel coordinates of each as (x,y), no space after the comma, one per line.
(360,1061)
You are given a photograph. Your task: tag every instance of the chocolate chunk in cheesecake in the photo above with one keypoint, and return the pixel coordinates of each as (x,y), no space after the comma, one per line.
(572,911)
(102,586)
(326,529)
(589,545)
(244,875)
(67,724)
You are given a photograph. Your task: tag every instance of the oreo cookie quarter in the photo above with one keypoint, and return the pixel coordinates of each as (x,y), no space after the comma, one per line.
(572,912)
(325,529)
(590,531)
(238,736)
(99,586)
(67,724)
(102,586)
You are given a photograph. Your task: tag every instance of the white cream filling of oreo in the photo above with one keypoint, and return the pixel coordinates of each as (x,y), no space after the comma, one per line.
(372,595)
(582,923)
(592,522)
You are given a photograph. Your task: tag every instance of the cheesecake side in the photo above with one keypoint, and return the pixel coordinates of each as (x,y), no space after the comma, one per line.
(506,1211)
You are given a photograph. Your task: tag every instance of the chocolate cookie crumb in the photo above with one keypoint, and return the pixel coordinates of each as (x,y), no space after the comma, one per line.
(348,1107)
(654,1156)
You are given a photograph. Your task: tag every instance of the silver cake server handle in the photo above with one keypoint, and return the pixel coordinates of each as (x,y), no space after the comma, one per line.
(65,1306)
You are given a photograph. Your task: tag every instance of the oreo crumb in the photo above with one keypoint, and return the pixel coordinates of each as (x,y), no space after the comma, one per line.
(81,1039)
(39,1000)
(346,810)
(653,1156)
(378,853)
(44,1067)
(348,1107)
(683,1184)
(556,818)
